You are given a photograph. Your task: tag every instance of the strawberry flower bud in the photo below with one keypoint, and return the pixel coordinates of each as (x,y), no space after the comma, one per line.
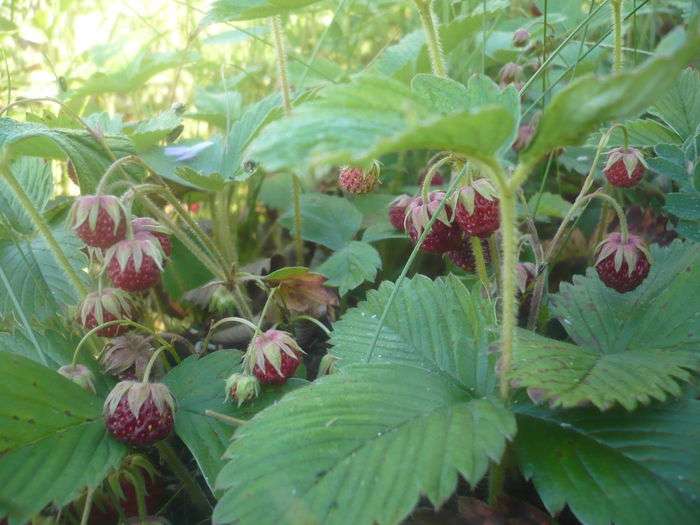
(521,37)
(80,375)
(327,365)
(273,357)
(511,73)
(242,388)
(98,220)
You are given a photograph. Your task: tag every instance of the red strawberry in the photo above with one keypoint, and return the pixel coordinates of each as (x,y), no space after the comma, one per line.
(463,257)
(444,235)
(242,387)
(357,180)
(135,264)
(622,265)
(478,209)
(139,414)
(144,226)
(127,356)
(108,305)
(273,357)
(98,220)
(397,211)
(80,375)
(625,167)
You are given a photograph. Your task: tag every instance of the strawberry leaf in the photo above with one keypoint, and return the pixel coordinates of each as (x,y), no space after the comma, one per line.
(50,422)
(566,375)
(591,101)
(371,116)
(199,385)
(437,325)
(360,447)
(351,266)
(230,10)
(640,468)
(659,315)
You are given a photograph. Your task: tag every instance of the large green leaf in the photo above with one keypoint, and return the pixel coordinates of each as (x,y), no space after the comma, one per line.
(360,447)
(679,106)
(38,140)
(38,282)
(659,315)
(568,376)
(591,101)
(640,468)
(410,55)
(372,116)
(198,385)
(229,10)
(35,177)
(349,267)
(437,325)
(220,158)
(53,441)
(325,219)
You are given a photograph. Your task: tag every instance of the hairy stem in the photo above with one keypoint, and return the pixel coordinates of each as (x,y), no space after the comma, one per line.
(192,488)
(508,291)
(432,36)
(43,228)
(617,29)
(281,52)
(479,260)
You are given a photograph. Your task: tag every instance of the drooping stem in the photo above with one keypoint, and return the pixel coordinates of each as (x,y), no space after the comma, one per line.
(479,260)
(428,179)
(508,289)
(624,229)
(224,321)
(43,228)
(432,37)
(281,52)
(233,421)
(151,362)
(266,307)
(112,168)
(88,507)
(298,242)
(318,323)
(192,488)
(617,30)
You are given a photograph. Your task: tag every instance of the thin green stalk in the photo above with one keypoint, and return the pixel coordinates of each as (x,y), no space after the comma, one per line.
(88,507)
(43,228)
(508,298)
(495,254)
(414,253)
(192,488)
(281,53)
(617,29)
(479,260)
(432,36)
(229,420)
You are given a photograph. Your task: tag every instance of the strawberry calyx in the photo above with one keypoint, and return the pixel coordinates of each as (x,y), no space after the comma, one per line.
(80,375)
(242,387)
(136,394)
(622,250)
(273,356)
(99,220)
(107,304)
(127,356)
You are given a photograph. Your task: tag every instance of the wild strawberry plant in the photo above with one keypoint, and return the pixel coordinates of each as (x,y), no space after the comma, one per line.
(197,336)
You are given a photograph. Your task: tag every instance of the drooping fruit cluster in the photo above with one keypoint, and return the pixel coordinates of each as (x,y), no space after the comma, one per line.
(99,220)
(139,414)
(103,306)
(356,180)
(625,167)
(622,264)
(444,235)
(477,209)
